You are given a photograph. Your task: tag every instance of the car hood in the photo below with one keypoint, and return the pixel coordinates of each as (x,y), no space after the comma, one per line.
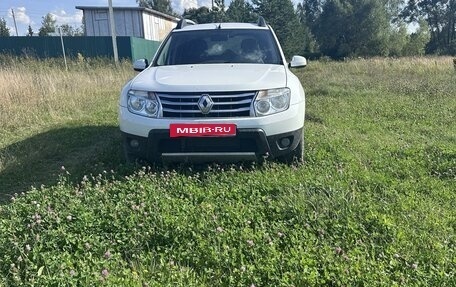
(210,77)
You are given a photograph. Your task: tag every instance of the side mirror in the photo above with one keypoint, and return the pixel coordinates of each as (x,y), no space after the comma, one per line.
(140,65)
(298,62)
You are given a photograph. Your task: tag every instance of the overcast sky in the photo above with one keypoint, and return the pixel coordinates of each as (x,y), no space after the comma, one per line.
(30,12)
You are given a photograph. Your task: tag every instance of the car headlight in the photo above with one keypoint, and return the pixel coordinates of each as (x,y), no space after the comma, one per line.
(143,103)
(269,102)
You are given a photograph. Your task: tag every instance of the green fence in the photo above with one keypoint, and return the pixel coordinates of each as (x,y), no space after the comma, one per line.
(141,48)
(49,47)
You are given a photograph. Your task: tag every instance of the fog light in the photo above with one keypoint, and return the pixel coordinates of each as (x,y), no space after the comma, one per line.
(285,142)
(134,143)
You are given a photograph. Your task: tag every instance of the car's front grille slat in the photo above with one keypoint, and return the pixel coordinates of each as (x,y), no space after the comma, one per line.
(247,101)
(168,103)
(226,104)
(166,110)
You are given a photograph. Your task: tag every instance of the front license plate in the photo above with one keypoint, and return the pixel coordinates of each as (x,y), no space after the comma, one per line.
(202,130)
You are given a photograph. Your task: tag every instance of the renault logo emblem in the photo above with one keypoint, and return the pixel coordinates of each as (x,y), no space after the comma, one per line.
(205,104)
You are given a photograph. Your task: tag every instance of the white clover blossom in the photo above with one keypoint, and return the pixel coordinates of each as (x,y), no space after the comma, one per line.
(338,250)
(104,273)
(107,254)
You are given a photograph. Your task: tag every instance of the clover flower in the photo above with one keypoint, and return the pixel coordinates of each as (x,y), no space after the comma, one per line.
(338,250)
(104,273)
(107,254)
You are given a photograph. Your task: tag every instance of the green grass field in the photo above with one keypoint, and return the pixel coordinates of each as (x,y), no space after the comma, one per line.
(374,204)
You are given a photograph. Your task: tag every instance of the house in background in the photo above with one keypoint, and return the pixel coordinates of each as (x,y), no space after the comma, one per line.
(129,21)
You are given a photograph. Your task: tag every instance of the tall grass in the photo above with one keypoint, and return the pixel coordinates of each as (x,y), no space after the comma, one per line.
(373,205)
(39,97)
(36,94)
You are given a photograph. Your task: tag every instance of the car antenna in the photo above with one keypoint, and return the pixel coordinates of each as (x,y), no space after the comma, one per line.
(219,26)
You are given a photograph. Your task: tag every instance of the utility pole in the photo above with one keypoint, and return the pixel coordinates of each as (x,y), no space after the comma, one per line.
(113,32)
(63,48)
(14,19)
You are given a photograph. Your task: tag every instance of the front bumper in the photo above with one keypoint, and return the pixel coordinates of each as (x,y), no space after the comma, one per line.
(289,120)
(247,145)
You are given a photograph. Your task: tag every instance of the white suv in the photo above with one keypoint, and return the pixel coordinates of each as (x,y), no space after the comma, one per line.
(214,92)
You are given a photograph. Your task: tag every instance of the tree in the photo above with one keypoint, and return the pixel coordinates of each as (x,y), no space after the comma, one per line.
(163,6)
(416,44)
(205,15)
(79,31)
(280,14)
(29,31)
(199,15)
(4,30)
(394,8)
(67,30)
(82,28)
(310,44)
(398,39)
(353,28)
(311,10)
(240,11)
(218,11)
(47,25)
(440,16)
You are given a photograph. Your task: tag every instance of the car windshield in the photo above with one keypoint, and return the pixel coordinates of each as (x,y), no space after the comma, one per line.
(219,46)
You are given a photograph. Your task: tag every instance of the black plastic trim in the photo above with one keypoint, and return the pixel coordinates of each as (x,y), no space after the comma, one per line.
(261,22)
(246,140)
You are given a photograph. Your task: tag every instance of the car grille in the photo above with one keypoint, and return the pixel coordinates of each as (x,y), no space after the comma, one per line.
(226,104)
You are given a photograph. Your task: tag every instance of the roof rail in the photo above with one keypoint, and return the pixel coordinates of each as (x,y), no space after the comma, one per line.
(261,22)
(184,22)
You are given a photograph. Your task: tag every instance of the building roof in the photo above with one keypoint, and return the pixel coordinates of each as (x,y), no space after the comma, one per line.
(148,10)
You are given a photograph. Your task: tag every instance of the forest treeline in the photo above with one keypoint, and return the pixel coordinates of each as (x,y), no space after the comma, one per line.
(333,28)
(342,28)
